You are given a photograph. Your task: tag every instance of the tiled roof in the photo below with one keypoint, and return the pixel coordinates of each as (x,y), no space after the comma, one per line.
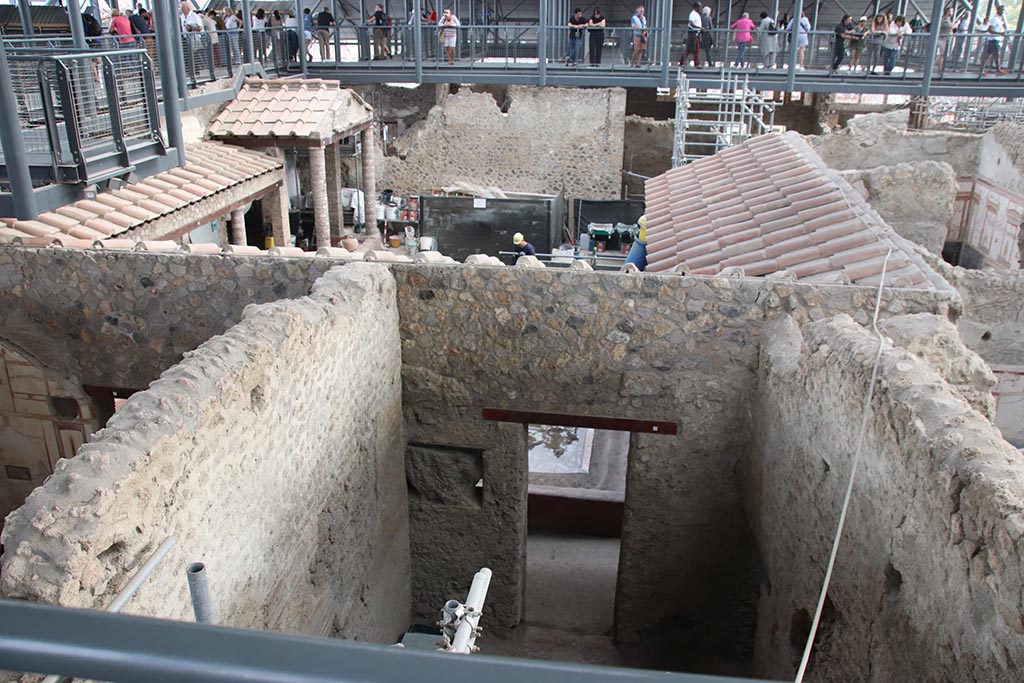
(212,167)
(769,205)
(291,108)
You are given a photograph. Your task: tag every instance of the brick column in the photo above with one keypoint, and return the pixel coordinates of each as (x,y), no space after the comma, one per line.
(238,227)
(275,212)
(318,182)
(334,189)
(369,182)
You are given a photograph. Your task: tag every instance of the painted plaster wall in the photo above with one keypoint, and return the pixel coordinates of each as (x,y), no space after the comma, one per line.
(928,581)
(42,419)
(683,349)
(273,453)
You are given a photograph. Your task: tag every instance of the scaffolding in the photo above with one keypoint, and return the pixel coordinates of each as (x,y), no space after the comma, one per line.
(974,114)
(708,121)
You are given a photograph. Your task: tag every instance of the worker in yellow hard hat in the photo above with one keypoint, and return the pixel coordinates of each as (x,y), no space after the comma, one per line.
(638,252)
(523,248)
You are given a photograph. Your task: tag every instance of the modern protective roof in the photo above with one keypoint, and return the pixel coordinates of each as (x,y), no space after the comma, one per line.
(276,111)
(212,167)
(767,205)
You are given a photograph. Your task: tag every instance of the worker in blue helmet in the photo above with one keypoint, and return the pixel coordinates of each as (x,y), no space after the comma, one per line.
(523,248)
(638,252)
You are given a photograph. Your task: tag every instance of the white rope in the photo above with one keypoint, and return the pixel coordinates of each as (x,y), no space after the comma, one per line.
(849,486)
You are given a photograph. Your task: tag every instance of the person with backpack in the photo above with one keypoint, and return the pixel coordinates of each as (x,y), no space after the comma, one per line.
(92,27)
(380,22)
(768,35)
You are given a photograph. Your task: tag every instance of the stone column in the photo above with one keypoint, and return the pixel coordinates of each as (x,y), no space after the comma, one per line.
(370,182)
(334,188)
(275,212)
(238,227)
(318,182)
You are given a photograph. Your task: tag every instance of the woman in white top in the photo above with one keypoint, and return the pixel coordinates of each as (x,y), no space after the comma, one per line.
(449,24)
(892,42)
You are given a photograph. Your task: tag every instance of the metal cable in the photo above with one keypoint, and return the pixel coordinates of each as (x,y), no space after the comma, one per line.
(849,486)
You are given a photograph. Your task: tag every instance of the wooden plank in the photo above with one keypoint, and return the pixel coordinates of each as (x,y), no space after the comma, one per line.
(620,424)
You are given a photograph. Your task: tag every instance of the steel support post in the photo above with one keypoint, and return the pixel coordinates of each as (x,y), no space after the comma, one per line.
(417,39)
(666,47)
(25,12)
(248,51)
(301,32)
(171,78)
(77,28)
(1015,51)
(933,46)
(794,39)
(542,43)
(15,157)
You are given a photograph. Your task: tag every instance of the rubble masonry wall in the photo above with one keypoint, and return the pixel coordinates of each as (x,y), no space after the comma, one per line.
(119,319)
(653,347)
(549,140)
(928,582)
(273,453)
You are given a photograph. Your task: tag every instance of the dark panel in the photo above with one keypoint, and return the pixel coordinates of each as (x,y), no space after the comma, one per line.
(612,211)
(620,424)
(567,514)
(463,226)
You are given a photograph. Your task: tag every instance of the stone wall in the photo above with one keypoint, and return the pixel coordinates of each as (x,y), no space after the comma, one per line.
(658,347)
(929,576)
(550,139)
(648,146)
(883,140)
(273,453)
(915,198)
(119,319)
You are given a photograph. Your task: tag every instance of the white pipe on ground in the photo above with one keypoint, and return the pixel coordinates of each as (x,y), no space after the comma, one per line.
(465,636)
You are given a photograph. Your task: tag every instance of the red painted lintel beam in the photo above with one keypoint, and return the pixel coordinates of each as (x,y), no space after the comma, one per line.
(620,424)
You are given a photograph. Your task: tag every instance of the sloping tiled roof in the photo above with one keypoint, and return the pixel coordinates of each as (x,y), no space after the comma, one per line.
(212,167)
(291,108)
(768,205)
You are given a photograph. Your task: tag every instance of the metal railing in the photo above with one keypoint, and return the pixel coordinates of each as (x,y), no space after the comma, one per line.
(82,114)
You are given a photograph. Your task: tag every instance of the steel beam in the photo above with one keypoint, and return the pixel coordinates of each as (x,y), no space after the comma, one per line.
(15,158)
(128,649)
(301,32)
(25,12)
(593,421)
(248,51)
(933,43)
(77,28)
(167,35)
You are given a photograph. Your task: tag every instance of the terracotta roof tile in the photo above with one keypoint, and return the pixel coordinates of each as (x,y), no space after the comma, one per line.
(118,211)
(287,108)
(770,205)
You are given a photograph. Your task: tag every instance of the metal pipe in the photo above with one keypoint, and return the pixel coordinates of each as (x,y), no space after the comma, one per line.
(77,28)
(131,649)
(199,589)
(25,12)
(666,48)
(300,31)
(933,45)
(15,156)
(417,39)
(126,593)
(466,634)
(247,47)
(794,39)
(166,37)
(542,43)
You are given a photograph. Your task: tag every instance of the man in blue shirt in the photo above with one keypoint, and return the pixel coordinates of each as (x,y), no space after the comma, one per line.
(639,25)
(523,248)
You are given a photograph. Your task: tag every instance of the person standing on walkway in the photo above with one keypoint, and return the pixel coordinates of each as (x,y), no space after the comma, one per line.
(995,26)
(638,24)
(379,21)
(693,26)
(449,24)
(898,29)
(324,22)
(577,25)
(945,32)
(768,35)
(707,35)
(743,27)
(596,25)
(803,28)
(842,33)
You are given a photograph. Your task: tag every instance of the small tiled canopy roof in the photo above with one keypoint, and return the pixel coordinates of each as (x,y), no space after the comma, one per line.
(283,112)
(769,205)
(212,167)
